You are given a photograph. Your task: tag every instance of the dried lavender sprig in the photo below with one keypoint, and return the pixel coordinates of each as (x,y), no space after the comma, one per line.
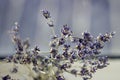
(86,41)
(85,52)
(50,23)
(88,47)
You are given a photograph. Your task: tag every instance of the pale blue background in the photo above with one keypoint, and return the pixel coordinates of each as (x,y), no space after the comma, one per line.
(95,16)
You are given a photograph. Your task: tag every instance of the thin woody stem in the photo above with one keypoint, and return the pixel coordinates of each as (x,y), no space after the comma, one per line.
(53,31)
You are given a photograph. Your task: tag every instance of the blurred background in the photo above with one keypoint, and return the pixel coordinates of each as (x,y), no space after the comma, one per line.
(95,16)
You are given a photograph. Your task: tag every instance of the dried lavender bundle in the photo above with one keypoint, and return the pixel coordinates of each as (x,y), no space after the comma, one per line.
(65,50)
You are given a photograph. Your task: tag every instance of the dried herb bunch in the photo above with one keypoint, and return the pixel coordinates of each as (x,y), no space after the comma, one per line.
(65,50)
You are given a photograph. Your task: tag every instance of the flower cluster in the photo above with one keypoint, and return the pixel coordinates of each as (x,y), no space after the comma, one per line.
(65,50)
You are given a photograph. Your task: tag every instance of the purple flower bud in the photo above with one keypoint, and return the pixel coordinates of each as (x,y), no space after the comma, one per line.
(36,49)
(74,72)
(93,69)
(66,31)
(86,51)
(60,78)
(65,54)
(7,77)
(15,70)
(80,53)
(85,42)
(87,36)
(46,14)
(61,41)
(98,45)
(59,57)
(104,38)
(85,78)
(63,67)
(53,52)
(74,56)
(83,71)
(80,40)
(96,52)
(66,47)
(103,59)
(79,46)
(35,62)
